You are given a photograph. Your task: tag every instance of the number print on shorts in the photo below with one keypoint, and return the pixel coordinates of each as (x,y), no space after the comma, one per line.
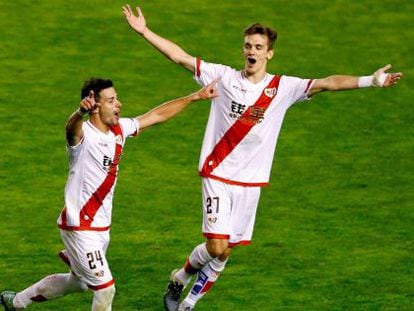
(93,258)
(210,204)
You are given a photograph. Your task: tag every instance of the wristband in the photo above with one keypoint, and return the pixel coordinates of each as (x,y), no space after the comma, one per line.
(81,113)
(365,81)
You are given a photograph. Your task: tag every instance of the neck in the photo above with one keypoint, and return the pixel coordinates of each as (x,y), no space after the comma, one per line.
(97,122)
(254,77)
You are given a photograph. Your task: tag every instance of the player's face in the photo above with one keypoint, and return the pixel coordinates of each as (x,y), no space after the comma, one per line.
(110,106)
(256,53)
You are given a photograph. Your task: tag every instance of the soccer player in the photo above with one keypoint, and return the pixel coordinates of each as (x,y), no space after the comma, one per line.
(239,145)
(94,149)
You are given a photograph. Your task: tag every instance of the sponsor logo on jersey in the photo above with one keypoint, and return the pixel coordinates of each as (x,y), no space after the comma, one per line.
(107,161)
(255,116)
(236,110)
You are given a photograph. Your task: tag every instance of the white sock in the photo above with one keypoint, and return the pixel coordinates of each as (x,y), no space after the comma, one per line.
(50,287)
(199,257)
(205,280)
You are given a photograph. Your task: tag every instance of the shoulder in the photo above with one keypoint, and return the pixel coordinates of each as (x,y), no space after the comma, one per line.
(216,67)
(128,126)
(292,81)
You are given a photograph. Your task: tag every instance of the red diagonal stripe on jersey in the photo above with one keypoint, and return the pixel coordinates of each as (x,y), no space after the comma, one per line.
(92,206)
(238,130)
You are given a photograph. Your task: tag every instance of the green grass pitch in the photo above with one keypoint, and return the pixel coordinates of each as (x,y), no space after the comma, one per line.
(334,229)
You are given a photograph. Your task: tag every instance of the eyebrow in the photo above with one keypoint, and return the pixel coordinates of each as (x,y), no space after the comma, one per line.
(252,44)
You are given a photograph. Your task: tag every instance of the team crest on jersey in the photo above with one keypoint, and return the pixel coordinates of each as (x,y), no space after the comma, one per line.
(118,139)
(270,92)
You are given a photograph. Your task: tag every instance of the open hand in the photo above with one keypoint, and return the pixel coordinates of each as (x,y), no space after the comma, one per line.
(137,22)
(383,79)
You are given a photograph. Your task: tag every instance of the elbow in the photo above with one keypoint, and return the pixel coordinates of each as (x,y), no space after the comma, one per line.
(184,60)
(176,60)
(161,119)
(329,84)
(158,118)
(339,83)
(177,57)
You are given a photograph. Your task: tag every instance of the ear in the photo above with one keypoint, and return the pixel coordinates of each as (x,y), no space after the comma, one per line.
(270,54)
(96,108)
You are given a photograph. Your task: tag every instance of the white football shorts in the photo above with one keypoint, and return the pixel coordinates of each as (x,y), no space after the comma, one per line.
(86,252)
(229,211)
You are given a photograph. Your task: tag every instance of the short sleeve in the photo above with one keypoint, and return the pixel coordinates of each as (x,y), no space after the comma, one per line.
(297,88)
(205,73)
(130,126)
(72,151)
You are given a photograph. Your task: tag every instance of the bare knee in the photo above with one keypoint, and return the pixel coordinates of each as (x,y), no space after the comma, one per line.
(217,247)
(225,254)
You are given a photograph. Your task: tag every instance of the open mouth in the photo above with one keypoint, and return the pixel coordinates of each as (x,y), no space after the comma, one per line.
(251,60)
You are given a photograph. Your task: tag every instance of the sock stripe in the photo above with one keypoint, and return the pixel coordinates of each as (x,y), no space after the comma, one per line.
(189,268)
(207,287)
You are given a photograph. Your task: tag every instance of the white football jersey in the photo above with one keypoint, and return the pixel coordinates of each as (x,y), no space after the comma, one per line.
(93,170)
(244,159)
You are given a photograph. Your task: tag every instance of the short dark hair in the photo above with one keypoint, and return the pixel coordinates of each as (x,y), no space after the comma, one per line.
(96,85)
(258,28)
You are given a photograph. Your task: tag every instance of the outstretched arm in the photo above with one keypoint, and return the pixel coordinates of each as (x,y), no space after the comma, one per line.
(171,50)
(338,82)
(74,132)
(169,109)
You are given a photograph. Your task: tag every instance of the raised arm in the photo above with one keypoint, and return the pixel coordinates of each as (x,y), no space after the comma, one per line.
(340,82)
(169,109)
(74,132)
(171,50)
